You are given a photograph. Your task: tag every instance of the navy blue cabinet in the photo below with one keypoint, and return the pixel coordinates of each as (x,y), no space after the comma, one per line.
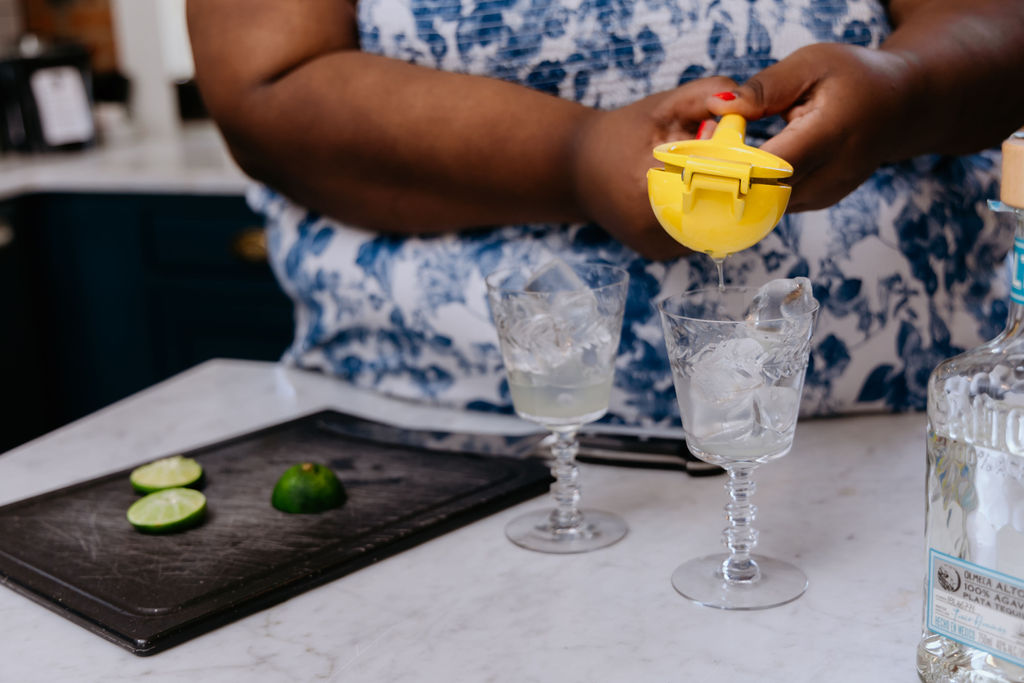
(23,399)
(121,291)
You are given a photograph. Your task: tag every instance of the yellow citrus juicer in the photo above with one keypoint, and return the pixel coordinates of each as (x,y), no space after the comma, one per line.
(718,196)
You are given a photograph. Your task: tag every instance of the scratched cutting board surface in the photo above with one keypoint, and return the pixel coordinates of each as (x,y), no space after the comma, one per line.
(73,551)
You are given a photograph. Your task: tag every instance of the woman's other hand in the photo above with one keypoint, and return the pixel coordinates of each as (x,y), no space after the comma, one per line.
(945,81)
(845,108)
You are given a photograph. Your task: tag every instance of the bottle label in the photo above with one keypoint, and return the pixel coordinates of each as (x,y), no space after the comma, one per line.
(976,606)
(1017,278)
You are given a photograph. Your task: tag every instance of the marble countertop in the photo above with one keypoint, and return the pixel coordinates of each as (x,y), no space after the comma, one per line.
(847,505)
(194,161)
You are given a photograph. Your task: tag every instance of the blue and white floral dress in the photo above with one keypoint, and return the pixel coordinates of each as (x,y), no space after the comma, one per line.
(908,268)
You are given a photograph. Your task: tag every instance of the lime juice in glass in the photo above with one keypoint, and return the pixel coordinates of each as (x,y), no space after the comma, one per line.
(558,328)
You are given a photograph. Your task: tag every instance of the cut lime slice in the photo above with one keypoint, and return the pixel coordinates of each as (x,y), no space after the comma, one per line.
(167,510)
(166,473)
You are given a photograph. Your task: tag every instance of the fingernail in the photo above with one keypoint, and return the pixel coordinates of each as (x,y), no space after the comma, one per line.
(726,95)
(703,125)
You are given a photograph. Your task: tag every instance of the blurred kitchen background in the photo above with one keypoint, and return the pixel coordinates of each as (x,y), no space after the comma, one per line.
(127,252)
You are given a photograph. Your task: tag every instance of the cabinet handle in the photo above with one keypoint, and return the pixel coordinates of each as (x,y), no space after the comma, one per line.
(6,234)
(250,245)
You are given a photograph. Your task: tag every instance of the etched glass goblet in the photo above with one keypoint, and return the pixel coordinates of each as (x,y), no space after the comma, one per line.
(738,358)
(558,329)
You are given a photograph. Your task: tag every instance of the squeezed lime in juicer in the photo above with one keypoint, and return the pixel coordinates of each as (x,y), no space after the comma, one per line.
(718,196)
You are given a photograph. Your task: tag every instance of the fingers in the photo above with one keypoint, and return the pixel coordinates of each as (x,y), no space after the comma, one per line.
(687,104)
(821,190)
(806,142)
(784,88)
(824,169)
(775,90)
(707,129)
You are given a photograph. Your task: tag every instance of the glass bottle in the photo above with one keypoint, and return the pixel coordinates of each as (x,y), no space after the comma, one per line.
(974,589)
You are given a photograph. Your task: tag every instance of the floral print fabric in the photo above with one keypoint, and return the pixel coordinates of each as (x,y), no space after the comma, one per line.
(908,268)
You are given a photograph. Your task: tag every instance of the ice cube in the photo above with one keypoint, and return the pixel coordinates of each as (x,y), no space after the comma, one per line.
(779,299)
(554,276)
(773,316)
(777,408)
(557,329)
(717,396)
(572,304)
(533,343)
(560,334)
(727,371)
(578,315)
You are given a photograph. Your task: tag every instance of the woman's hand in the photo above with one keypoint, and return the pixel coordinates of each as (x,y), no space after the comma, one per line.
(612,153)
(848,110)
(944,81)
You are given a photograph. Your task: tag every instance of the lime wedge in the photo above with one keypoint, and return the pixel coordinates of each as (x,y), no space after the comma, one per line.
(166,473)
(307,487)
(167,510)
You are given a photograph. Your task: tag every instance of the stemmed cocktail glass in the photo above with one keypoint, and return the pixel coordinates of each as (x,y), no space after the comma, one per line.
(558,328)
(738,358)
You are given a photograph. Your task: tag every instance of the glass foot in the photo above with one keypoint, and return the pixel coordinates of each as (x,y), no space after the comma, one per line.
(597,530)
(701,580)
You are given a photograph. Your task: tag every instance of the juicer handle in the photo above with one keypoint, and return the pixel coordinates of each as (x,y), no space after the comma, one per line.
(731,130)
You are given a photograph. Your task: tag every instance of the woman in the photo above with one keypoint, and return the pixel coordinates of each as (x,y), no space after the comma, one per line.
(392,131)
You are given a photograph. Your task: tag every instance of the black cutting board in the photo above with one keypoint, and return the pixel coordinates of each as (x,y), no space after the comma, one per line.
(73,551)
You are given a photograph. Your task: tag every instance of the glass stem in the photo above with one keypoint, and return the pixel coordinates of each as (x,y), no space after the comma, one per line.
(566,489)
(740,537)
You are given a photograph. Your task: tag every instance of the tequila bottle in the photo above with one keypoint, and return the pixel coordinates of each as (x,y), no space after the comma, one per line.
(974,587)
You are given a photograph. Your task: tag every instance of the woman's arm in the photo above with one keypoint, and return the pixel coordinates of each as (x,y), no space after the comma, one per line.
(948,79)
(966,58)
(391,146)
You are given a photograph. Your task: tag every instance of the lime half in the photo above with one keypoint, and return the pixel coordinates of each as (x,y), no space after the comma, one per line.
(307,487)
(167,510)
(166,473)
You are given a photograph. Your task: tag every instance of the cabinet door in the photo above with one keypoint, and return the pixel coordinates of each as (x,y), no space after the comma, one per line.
(94,310)
(128,290)
(23,376)
(213,293)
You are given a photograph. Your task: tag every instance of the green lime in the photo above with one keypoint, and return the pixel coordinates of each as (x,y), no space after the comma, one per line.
(166,473)
(307,487)
(167,510)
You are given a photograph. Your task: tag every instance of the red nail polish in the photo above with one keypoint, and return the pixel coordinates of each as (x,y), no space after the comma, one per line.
(703,125)
(727,96)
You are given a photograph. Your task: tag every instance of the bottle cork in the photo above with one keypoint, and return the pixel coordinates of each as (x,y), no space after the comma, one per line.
(1012,184)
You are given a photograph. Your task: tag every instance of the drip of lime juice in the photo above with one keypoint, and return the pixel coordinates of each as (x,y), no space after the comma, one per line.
(720,266)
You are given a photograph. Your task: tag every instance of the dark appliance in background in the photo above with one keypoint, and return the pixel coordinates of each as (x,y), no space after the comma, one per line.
(46,99)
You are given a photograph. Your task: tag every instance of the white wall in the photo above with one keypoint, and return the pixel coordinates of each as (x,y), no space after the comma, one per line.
(153,52)
(177,51)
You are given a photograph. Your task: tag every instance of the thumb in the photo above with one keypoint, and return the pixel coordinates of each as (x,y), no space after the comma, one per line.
(774,90)
(688,102)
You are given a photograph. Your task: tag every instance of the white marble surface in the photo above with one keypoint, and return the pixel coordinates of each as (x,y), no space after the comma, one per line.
(846,505)
(194,161)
